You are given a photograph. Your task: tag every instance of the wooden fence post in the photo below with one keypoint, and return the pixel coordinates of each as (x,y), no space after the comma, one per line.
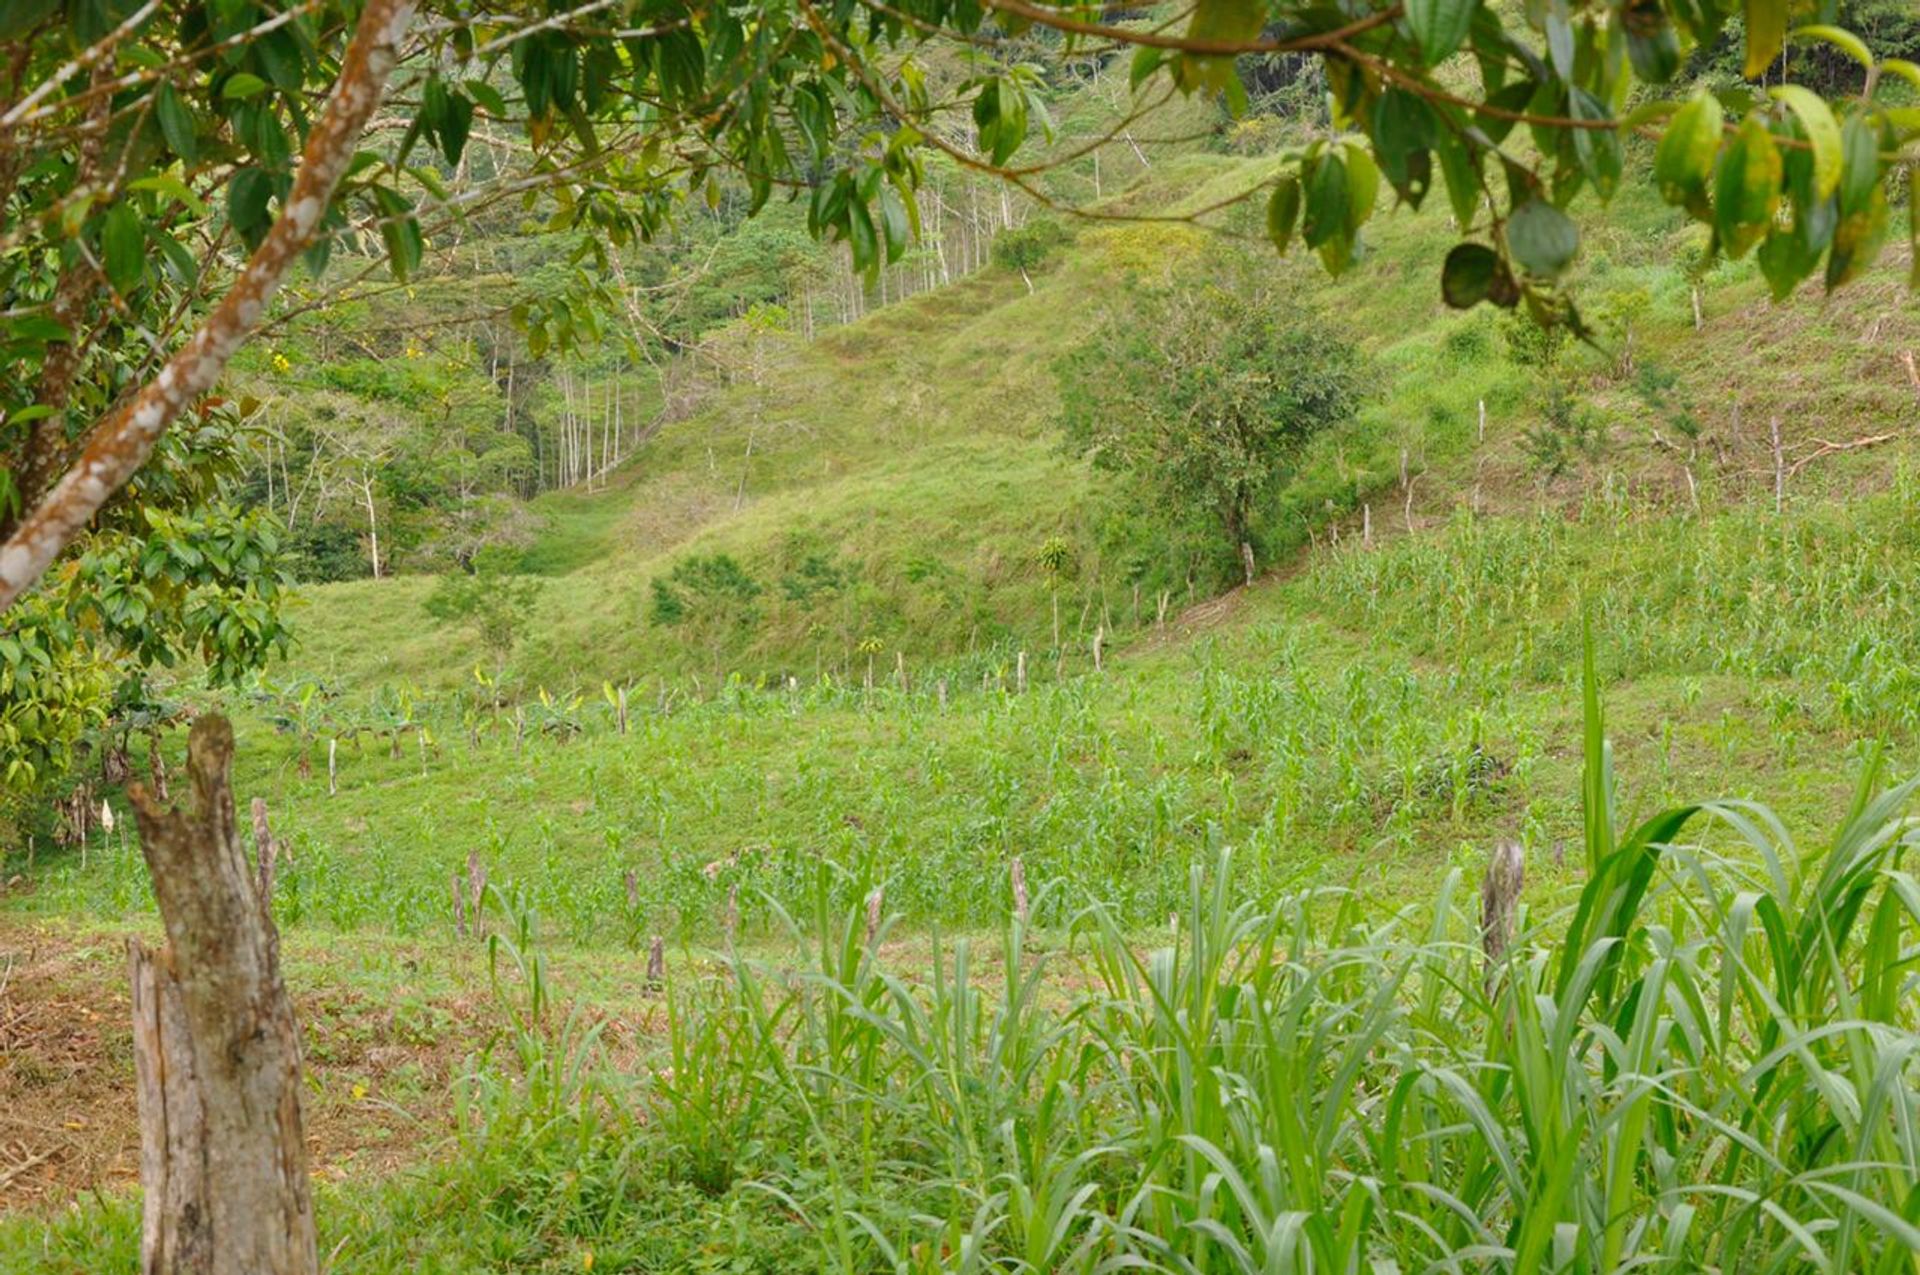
(1019,874)
(620,708)
(656,962)
(223,1157)
(1779,467)
(459,905)
(1020,674)
(265,849)
(1499,892)
(333,757)
(477,892)
(157,764)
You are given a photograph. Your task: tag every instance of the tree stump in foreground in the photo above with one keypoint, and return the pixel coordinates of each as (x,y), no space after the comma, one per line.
(216,1050)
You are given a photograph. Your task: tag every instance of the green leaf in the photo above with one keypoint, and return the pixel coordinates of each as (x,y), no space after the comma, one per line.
(1467,277)
(866,252)
(1822,131)
(1862,228)
(399,231)
(1218,22)
(1146,60)
(181,264)
(1598,150)
(1363,186)
(1785,259)
(488,96)
(1439,26)
(1746,192)
(1542,239)
(1908,71)
(247,197)
(1648,112)
(1840,38)
(1857,239)
(1653,50)
(123,247)
(242,84)
(1461,165)
(1683,161)
(1859,164)
(37,327)
(455,125)
(173,188)
(1283,211)
(176,122)
(893,224)
(1403,133)
(1766,34)
(1327,194)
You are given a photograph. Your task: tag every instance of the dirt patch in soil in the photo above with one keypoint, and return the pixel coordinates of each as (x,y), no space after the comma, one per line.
(380,1071)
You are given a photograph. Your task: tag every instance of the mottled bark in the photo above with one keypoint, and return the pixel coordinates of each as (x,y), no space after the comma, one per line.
(122,441)
(217,1050)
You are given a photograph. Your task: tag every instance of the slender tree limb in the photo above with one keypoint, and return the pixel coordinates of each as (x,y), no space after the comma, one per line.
(122,441)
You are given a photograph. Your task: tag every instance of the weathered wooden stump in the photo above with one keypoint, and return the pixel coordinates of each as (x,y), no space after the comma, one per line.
(216,1049)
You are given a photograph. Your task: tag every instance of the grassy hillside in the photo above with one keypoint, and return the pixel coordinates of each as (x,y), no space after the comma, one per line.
(914,453)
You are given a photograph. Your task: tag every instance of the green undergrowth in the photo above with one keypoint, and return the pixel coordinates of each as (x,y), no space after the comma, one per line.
(1705,1061)
(1380,716)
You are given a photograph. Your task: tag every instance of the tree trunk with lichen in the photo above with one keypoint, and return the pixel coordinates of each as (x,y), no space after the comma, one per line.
(216,1049)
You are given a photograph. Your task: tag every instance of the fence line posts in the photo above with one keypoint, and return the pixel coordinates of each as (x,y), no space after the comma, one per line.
(1019,874)
(333,766)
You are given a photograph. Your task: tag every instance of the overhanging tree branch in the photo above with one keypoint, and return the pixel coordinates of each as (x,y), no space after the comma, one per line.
(125,437)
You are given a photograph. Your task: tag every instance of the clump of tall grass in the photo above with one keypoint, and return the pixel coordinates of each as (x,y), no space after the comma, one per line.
(1707,1063)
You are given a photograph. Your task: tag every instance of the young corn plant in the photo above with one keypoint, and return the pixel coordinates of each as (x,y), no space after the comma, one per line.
(1707,1062)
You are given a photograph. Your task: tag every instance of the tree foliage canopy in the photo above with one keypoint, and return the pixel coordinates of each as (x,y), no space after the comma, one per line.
(1204,394)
